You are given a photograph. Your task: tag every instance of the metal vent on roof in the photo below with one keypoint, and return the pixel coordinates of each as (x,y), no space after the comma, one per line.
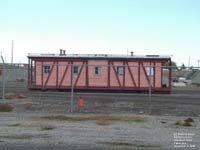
(100,55)
(152,55)
(132,53)
(47,54)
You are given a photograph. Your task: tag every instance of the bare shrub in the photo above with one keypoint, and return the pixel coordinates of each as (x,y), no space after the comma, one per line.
(5,108)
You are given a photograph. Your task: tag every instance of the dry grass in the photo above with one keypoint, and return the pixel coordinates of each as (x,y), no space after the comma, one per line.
(101,120)
(15,125)
(18,137)
(31,124)
(128,144)
(47,127)
(68,118)
(43,126)
(126,118)
(5,108)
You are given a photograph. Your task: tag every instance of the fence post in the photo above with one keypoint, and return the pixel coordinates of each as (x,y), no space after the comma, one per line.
(72,89)
(150,90)
(3,79)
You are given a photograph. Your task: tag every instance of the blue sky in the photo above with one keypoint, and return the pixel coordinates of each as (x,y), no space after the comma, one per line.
(165,27)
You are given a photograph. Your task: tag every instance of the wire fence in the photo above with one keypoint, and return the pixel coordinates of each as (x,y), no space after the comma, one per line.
(184,84)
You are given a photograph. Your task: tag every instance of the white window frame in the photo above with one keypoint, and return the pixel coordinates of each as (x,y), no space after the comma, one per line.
(120,70)
(150,71)
(46,69)
(97,70)
(76,71)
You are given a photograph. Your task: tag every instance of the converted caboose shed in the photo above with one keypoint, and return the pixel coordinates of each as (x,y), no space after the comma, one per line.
(99,72)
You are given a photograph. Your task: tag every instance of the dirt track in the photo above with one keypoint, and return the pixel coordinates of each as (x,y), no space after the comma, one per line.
(158,129)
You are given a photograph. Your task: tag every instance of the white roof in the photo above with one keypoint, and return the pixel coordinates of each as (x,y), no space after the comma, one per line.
(98,56)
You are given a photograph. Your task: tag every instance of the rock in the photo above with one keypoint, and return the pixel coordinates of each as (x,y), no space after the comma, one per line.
(189,120)
(178,84)
(141,112)
(187,124)
(183,123)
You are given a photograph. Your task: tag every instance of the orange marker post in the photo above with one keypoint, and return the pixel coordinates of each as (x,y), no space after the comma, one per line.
(80,103)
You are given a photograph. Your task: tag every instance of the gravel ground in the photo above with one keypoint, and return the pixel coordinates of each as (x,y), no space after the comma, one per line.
(21,129)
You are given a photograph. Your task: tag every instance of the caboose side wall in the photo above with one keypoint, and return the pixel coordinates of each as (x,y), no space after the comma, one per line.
(59,75)
(98,80)
(115,79)
(134,75)
(64,73)
(158,75)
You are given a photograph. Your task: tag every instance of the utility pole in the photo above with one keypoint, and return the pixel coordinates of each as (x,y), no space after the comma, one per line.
(12,52)
(189,62)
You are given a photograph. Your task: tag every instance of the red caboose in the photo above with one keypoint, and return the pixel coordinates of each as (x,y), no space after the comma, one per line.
(99,72)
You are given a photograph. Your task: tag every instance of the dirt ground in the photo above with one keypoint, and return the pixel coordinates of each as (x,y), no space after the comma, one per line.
(25,127)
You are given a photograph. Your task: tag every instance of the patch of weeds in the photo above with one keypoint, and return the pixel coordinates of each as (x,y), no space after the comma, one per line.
(128,144)
(5,108)
(97,118)
(18,137)
(31,124)
(127,119)
(60,142)
(68,118)
(26,124)
(44,127)
(103,122)
(15,125)
(47,128)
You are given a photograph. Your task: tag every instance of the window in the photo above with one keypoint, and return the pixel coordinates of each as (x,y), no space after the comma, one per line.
(75,70)
(46,69)
(120,70)
(149,71)
(97,70)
